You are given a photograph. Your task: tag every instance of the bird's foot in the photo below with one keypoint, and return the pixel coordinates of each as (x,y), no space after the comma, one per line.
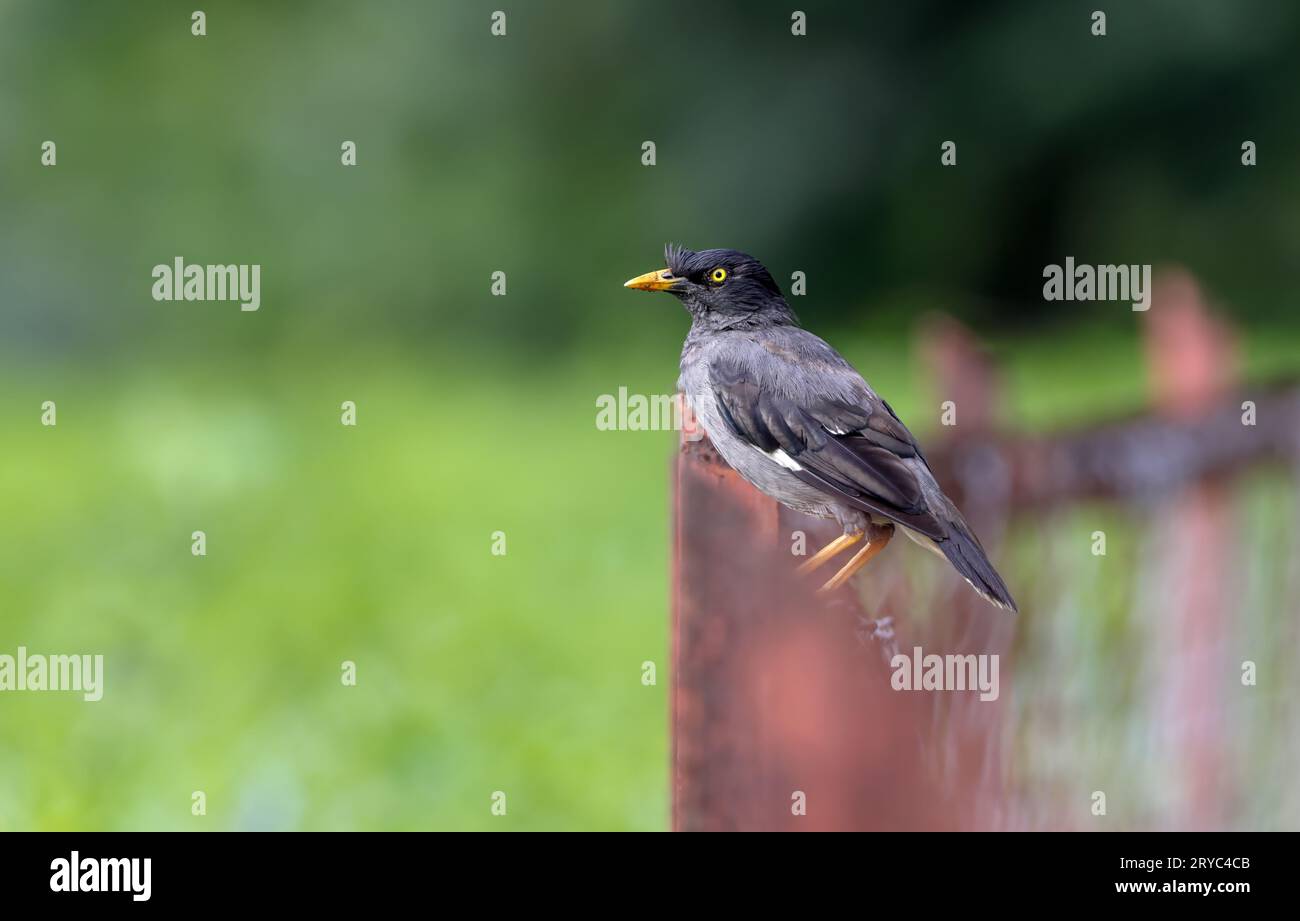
(880,536)
(829,551)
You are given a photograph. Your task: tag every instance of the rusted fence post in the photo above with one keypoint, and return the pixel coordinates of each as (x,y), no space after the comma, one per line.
(782,710)
(1192,366)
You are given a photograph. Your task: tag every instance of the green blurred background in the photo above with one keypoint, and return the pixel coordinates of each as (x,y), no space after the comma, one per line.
(476,413)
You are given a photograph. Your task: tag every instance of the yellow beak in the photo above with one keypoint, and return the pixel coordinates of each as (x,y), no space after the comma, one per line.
(660,280)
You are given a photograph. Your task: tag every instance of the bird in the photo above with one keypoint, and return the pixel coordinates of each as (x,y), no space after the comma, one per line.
(795,419)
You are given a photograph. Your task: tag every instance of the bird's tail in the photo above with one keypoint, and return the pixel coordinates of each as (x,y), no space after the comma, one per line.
(963,550)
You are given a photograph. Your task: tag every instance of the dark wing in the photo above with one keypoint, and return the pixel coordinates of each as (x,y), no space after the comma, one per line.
(846,441)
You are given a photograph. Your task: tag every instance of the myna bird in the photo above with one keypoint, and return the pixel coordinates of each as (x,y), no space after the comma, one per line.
(796,420)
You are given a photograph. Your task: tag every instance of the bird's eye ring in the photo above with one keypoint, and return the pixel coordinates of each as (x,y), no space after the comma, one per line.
(718,275)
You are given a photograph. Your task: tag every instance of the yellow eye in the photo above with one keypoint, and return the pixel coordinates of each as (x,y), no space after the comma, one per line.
(719,275)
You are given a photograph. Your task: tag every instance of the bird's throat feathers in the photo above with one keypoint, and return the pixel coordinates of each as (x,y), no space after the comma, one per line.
(711,320)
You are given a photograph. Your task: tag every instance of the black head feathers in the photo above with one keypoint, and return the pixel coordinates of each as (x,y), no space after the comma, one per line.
(726,288)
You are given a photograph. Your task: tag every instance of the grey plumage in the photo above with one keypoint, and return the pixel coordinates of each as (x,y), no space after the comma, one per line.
(794,418)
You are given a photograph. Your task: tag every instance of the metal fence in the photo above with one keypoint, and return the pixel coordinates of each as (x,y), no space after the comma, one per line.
(1149,681)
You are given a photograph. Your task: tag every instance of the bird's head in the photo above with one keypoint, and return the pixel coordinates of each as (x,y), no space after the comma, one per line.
(721,288)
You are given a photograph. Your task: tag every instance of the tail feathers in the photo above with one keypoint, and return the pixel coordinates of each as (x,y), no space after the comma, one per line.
(963,550)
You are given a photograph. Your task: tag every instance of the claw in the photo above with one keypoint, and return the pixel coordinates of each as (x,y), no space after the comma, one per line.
(860,559)
(825,553)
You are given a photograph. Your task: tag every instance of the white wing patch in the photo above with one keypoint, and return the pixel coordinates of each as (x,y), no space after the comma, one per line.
(785,460)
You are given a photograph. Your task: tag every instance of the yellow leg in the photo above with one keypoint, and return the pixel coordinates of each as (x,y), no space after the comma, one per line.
(860,559)
(825,553)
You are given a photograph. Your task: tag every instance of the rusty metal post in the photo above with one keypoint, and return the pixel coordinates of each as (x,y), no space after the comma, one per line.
(783,718)
(1192,364)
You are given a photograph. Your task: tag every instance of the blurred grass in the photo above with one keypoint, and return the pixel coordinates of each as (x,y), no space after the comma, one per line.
(476,673)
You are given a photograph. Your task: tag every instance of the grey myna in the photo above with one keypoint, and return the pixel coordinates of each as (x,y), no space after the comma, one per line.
(792,417)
